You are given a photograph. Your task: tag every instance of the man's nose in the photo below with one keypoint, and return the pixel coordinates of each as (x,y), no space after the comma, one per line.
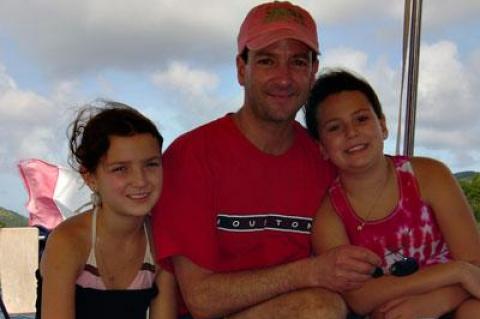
(283,74)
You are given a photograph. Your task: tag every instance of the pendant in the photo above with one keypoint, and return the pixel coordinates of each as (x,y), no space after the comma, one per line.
(360,227)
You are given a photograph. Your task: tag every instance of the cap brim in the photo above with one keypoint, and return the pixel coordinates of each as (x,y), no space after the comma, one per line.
(265,39)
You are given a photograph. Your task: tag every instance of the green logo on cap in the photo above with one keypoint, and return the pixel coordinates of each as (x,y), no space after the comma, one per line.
(284,14)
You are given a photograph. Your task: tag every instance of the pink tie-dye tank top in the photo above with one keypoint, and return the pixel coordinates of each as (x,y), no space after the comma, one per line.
(410,229)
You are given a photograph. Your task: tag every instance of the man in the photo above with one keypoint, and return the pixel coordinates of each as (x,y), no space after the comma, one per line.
(240,192)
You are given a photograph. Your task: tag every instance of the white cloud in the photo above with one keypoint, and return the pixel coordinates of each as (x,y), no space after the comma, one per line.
(352,11)
(447,109)
(192,95)
(446,93)
(186,79)
(440,12)
(31,125)
(6,82)
(69,37)
(17,105)
(474,69)
(346,58)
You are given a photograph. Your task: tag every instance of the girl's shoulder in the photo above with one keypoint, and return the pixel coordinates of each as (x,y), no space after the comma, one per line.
(71,239)
(431,174)
(74,229)
(424,166)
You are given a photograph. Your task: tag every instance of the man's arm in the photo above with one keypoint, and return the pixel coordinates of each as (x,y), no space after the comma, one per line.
(209,294)
(302,303)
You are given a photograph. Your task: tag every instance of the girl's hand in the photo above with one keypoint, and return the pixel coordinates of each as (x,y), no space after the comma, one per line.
(417,306)
(470,277)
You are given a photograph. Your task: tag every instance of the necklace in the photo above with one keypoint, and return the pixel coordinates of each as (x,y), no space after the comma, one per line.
(378,195)
(116,266)
(116,274)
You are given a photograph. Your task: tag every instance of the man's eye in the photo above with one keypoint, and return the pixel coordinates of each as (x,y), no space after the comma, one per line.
(265,61)
(300,62)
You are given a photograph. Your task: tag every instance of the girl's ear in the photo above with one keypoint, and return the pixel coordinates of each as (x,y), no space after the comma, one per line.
(323,151)
(383,125)
(89,179)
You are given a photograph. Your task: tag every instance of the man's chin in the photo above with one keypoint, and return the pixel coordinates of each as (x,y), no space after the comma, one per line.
(283,116)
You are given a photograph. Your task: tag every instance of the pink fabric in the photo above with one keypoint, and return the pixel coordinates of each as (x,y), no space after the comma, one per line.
(411,228)
(40,179)
(144,279)
(89,278)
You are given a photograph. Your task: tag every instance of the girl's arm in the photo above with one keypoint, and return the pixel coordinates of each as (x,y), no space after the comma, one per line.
(61,263)
(442,192)
(165,305)
(432,304)
(329,232)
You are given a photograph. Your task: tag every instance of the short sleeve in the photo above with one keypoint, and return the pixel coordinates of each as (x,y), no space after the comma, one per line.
(184,221)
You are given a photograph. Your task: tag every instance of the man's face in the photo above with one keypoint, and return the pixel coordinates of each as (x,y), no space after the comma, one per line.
(277,79)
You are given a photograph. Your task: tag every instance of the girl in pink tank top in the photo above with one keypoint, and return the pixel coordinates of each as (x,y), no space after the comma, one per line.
(409,211)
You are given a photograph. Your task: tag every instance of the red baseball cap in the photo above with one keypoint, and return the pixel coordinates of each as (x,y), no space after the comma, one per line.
(273,21)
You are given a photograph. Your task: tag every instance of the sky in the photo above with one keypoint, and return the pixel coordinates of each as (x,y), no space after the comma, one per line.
(174,61)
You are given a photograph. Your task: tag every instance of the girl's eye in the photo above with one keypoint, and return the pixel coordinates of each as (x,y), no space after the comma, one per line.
(362,118)
(118,169)
(332,128)
(153,164)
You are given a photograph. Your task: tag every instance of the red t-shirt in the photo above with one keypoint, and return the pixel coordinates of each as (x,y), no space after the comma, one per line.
(228,206)
(410,229)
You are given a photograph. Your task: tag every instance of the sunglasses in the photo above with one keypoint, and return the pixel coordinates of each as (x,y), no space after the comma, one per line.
(403,267)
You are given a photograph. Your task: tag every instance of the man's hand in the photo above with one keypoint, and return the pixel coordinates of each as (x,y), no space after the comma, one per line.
(343,268)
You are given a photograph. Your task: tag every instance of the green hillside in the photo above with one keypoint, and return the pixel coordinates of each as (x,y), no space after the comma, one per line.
(466,175)
(470,183)
(9,218)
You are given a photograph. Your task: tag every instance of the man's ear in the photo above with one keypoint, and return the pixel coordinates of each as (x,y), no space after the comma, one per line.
(315,65)
(241,64)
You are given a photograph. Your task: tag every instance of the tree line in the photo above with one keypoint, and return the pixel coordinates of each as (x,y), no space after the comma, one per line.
(471,188)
